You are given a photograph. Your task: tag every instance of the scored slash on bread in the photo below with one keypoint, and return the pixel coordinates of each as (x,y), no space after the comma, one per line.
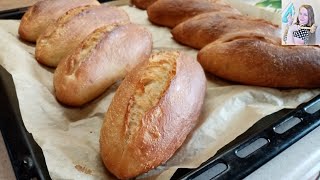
(103,58)
(62,38)
(154,109)
(44,13)
(205,28)
(170,13)
(260,60)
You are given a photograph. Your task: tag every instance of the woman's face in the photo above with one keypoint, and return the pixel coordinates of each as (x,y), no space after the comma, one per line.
(303,16)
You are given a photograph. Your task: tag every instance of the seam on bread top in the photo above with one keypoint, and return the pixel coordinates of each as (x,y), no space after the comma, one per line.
(73,12)
(249,35)
(155,79)
(87,46)
(62,21)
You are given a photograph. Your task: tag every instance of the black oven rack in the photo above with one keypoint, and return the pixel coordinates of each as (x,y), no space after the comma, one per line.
(263,141)
(25,154)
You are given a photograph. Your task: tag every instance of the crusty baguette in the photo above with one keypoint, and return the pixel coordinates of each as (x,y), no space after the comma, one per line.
(56,42)
(152,112)
(43,13)
(142,4)
(99,61)
(205,28)
(169,13)
(256,59)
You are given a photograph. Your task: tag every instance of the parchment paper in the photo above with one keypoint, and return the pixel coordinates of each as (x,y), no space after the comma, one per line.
(69,137)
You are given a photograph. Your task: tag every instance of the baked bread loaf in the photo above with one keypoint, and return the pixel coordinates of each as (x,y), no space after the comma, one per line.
(256,59)
(99,61)
(154,109)
(169,13)
(205,28)
(142,4)
(43,13)
(70,30)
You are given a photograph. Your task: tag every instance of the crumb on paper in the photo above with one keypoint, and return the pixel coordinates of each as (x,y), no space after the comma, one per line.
(83,169)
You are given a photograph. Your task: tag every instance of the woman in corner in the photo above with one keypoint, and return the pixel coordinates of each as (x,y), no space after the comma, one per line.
(299,32)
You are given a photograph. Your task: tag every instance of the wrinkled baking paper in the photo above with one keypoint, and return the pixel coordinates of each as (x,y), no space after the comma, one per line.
(69,137)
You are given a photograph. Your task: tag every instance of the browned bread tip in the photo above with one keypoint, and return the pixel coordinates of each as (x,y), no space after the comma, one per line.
(170,13)
(71,29)
(103,58)
(142,4)
(43,13)
(256,59)
(151,114)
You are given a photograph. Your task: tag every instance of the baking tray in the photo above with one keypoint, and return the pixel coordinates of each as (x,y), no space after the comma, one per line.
(264,140)
(26,156)
(280,130)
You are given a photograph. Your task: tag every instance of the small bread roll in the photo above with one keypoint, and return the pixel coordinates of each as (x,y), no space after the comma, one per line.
(256,59)
(154,109)
(205,28)
(99,61)
(142,4)
(169,13)
(71,29)
(44,13)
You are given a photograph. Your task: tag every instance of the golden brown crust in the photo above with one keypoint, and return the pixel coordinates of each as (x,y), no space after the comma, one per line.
(166,94)
(104,57)
(55,43)
(170,13)
(142,4)
(262,61)
(205,28)
(42,14)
